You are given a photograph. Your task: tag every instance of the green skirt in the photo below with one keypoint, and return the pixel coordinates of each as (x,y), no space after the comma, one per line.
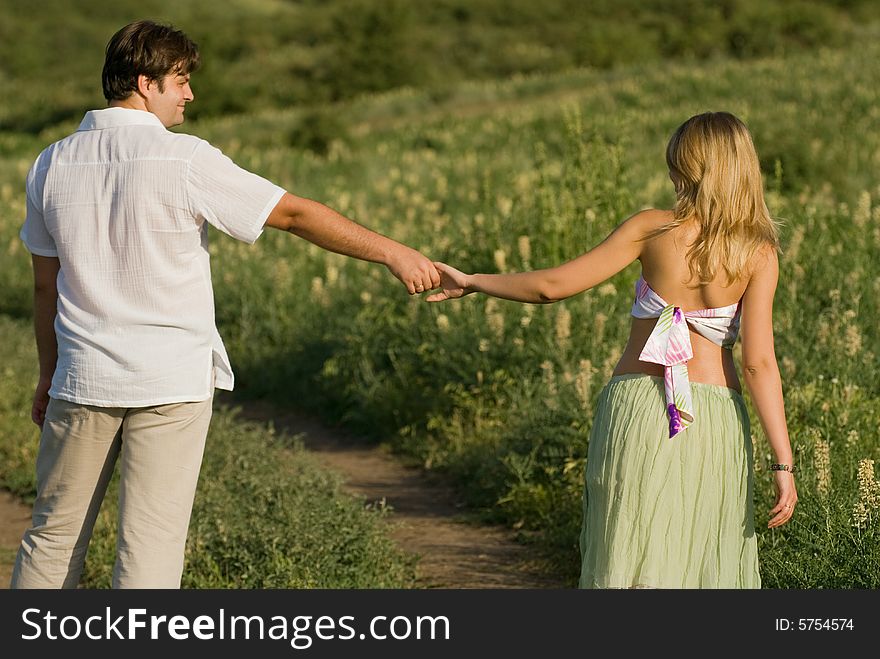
(668,513)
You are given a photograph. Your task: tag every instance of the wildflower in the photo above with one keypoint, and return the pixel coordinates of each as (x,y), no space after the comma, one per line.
(483,345)
(599,321)
(523,183)
(582,382)
(505,205)
(496,324)
(852,438)
(563,326)
(525,250)
(869,488)
(443,322)
(549,377)
(822,465)
(852,279)
(500,260)
(611,361)
(852,340)
(794,245)
(862,213)
(607,289)
(442,186)
(823,332)
(849,391)
(318,290)
(869,494)
(343,202)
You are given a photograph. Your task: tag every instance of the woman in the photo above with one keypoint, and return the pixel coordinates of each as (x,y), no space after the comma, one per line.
(669,481)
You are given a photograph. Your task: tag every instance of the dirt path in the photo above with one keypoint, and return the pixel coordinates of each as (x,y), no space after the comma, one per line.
(426,517)
(15,517)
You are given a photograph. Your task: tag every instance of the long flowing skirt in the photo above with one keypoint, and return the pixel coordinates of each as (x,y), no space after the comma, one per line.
(668,513)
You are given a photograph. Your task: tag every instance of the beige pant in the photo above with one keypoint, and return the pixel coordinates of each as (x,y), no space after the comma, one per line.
(161,452)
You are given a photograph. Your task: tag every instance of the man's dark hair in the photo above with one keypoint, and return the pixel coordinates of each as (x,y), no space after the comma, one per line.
(147,48)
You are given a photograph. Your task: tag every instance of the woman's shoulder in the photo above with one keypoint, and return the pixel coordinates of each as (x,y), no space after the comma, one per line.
(653,215)
(649,220)
(764,262)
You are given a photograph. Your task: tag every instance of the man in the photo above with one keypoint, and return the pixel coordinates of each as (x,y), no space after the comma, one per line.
(117,217)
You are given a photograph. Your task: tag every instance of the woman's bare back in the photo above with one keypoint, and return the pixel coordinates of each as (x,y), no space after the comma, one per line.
(664,268)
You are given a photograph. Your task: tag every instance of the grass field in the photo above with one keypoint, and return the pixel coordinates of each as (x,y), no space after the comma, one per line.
(498,176)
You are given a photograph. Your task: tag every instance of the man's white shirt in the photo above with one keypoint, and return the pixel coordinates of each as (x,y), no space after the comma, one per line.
(125,204)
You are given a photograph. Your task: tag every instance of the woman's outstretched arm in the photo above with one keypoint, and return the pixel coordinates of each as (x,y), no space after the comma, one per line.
(761,374)
(618,250)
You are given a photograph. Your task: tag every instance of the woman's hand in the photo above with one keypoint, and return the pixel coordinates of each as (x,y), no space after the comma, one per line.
(786,499)
(453,282)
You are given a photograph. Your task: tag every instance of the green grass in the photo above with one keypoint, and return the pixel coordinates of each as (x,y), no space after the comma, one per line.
(260,53)
(526,173)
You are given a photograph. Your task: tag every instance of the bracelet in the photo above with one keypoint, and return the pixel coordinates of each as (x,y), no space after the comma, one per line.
(782,467)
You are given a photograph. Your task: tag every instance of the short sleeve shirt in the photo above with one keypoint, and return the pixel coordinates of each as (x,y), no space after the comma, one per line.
(125,204)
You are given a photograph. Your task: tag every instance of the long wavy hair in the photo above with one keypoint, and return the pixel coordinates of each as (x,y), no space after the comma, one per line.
(714,166)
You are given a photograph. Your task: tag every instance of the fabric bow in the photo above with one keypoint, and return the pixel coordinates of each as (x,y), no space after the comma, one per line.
(670,346)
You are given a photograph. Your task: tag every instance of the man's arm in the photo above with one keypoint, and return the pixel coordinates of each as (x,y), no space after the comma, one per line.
(45,308)
(328,229)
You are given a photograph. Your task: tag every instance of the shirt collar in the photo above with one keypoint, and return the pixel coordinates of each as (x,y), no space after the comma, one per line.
(114,117)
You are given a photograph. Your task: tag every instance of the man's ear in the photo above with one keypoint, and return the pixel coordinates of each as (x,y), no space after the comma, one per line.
(145,84)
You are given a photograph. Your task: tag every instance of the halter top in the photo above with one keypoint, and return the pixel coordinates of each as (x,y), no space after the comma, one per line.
(670,345)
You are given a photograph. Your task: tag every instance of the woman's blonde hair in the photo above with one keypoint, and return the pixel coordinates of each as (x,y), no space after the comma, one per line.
(713,163)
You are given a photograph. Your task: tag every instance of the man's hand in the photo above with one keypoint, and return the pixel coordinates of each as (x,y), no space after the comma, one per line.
(415,270)
(454,282)
(41,402)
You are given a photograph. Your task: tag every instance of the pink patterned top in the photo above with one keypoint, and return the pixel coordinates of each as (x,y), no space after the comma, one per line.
(670,345)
